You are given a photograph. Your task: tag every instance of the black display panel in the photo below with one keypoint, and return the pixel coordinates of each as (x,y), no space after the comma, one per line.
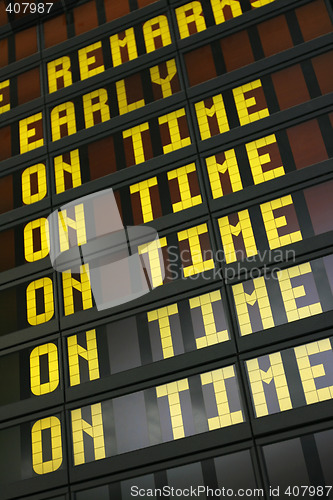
(211,121)
(140,202)
(229,170)
(31,303)
(253,100)
(169,412)
(306,478)
(20,89)
(277,223)
(25,243)
(173,256)
(284,296)
(31,449)
(30,373)
(291,378)
(269,157)
(147,337)
(130,93)
(24,187)
(247,46)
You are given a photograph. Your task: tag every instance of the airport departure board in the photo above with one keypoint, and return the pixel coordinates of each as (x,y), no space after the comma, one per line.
(212,123)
